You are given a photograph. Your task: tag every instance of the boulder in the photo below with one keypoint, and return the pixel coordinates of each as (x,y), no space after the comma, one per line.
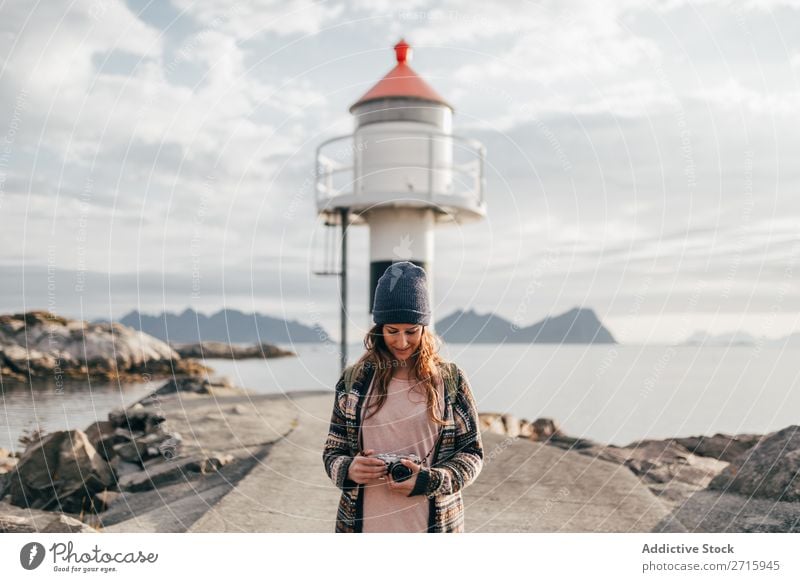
(104,499)
(60,524)
(148,446)
(163,472)
(62,470)
(768,470)
(136,418)
(544,428)
(660,461)
(492,422)
(511,425)
(720,446)
(7,461)
(40,344)
(188,385)
(211,349)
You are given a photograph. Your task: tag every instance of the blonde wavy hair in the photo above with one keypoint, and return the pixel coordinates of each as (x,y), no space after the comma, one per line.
(425,367)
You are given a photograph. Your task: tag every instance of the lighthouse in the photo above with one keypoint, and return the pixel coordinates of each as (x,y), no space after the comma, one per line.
(402,172)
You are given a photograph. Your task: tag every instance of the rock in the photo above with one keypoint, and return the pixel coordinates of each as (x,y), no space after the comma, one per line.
(720,446)
(122,467)
(105,447)
(61,524)
(543,428)
(136,419)
(570,443)
(17,524)
(210,464)
(190,385)
(511,425)
(104,499)
(492,423)
(7,464)
(40,344)
(525,429)
(103,436)
(239,409)
(163,472)
(62,469)
(150,445)
(66,524)
(508,425)
(210,349)
(657,461)
(769,470)
(96,431)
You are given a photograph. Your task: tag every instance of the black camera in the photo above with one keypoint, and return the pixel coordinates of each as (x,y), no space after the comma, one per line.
(396,469)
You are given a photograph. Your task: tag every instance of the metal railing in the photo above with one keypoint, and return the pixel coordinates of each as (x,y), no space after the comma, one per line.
(337,177)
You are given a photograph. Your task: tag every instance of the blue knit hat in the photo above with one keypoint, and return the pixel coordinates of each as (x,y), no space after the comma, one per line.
(401,295)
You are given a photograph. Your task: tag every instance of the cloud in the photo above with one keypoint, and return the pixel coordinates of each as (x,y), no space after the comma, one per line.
(247,19)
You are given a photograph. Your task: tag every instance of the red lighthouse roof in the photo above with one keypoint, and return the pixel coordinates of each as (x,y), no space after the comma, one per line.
(402,81)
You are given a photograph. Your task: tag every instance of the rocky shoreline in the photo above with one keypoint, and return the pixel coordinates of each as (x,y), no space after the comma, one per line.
(759,466)
(39,345)
(189,442)
(210,350)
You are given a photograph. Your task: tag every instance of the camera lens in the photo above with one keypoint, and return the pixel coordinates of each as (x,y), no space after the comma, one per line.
(400,472)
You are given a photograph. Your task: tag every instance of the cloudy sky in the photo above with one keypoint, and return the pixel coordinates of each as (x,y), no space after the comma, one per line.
(642,157)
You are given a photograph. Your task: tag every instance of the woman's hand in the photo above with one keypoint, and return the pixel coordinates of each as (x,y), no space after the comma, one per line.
(367,470)
(405,487)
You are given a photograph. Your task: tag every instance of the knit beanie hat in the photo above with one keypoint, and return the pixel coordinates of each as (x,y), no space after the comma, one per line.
(401,295)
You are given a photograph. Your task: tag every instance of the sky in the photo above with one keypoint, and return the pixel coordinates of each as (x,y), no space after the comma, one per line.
(641,157)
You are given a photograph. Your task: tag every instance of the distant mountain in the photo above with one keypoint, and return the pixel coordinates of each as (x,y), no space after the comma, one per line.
(227,325)
(576,326)
(703,338)
(788,341)
(740,338)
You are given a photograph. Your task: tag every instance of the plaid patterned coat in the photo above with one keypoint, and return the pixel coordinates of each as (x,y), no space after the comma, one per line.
(457,459)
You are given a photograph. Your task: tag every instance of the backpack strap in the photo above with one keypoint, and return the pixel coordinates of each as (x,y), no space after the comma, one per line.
(448,370)
(450,375)
(350,374)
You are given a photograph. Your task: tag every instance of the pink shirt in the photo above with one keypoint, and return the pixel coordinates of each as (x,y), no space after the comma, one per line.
(400,426)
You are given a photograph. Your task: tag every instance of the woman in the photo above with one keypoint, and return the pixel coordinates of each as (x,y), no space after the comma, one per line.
(402,398)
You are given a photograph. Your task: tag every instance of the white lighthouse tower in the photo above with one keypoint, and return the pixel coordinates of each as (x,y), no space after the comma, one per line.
(401,172)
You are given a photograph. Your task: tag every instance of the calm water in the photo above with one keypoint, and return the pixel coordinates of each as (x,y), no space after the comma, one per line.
(612,394)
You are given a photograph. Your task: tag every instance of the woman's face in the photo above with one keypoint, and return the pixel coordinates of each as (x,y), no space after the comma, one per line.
(402,339)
